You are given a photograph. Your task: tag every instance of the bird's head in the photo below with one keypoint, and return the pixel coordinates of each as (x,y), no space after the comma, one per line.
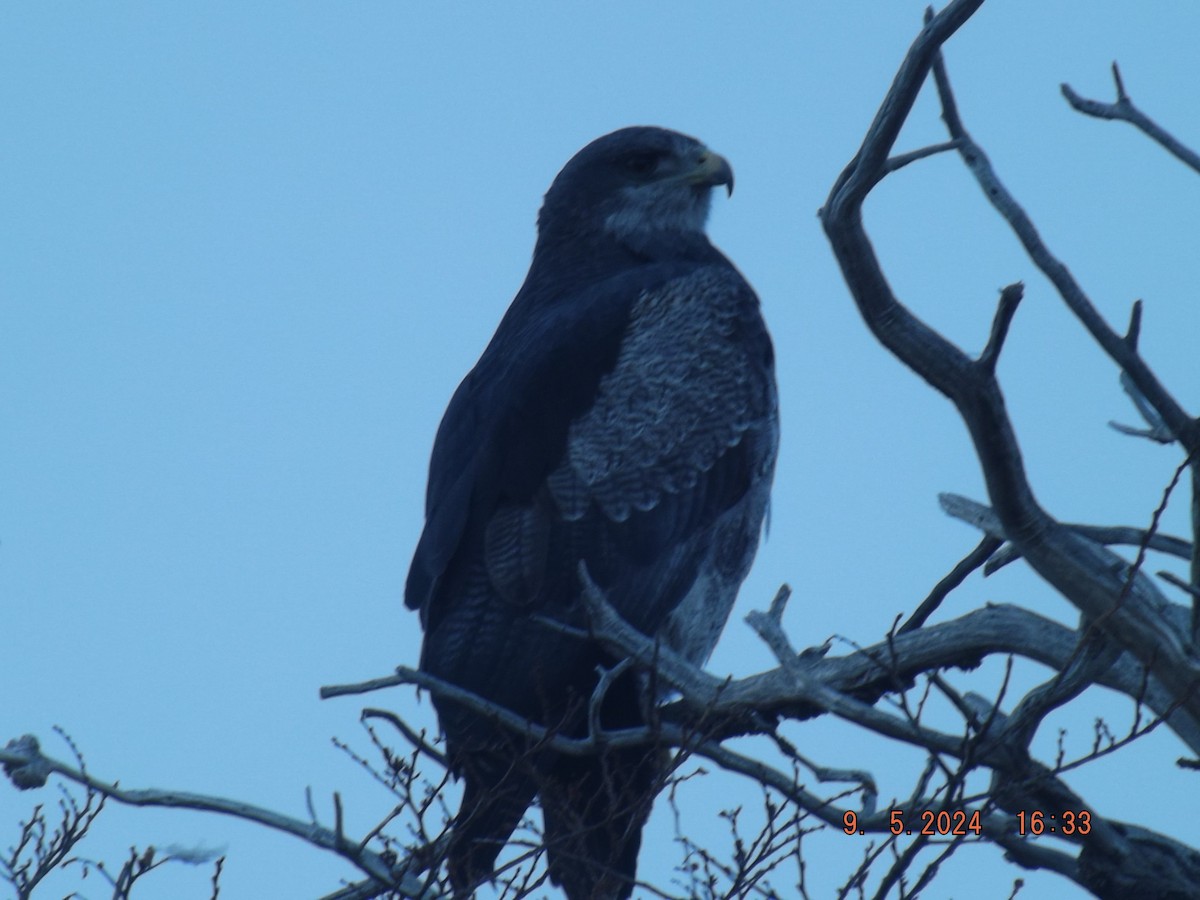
(635,185)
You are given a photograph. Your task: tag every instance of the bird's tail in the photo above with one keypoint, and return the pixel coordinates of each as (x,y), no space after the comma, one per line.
(594,809)
(496,793)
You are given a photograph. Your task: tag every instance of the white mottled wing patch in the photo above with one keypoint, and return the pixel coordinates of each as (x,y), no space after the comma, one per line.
(680,395)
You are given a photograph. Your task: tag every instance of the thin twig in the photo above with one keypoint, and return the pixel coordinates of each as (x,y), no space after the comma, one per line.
(1010,299)
(903,159)
(1122,109)
(957,576)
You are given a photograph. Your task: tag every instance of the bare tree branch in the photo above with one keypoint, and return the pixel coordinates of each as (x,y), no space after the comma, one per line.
(1114,597)
(1131,610)
(27,765)
(1122,109)
(972,561)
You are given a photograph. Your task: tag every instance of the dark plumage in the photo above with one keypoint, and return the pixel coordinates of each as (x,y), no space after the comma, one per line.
(624,415)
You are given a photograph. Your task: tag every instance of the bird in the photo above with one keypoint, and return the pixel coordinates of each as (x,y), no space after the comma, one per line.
(624,418)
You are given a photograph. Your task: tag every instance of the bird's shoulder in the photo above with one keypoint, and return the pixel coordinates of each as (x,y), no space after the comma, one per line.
(615,390)
(694,373)
(506,423)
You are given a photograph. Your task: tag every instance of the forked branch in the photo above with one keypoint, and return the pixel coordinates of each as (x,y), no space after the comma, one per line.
(1122,109)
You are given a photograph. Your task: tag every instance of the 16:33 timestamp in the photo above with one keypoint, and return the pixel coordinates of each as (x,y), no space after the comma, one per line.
(1066,823)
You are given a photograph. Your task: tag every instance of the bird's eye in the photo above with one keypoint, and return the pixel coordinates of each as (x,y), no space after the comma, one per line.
(641,163)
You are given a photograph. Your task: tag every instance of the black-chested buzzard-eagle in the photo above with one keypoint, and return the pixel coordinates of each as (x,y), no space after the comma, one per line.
(624,415)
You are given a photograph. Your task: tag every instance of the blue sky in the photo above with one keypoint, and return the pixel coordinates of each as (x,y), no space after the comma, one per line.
(249,251)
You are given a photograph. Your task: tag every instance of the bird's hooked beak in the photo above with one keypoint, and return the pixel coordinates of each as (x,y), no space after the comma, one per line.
(712,169)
